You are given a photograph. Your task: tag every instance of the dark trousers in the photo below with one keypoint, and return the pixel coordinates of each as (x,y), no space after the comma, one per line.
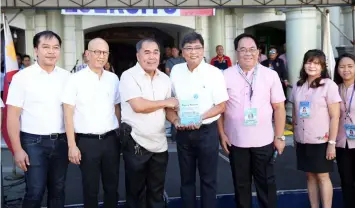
(346,167)
(99,157)
(145,176)
(48,168)
(256,162)
(198,148)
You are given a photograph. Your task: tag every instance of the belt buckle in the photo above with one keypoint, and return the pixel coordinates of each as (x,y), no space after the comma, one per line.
(53,135)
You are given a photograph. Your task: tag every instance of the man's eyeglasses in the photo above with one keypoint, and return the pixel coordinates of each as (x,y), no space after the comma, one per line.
(192,49)
(98,52)
(272,52)
(250,50)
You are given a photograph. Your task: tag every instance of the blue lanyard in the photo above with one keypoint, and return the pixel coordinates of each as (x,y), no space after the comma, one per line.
(347,110)
(250,82)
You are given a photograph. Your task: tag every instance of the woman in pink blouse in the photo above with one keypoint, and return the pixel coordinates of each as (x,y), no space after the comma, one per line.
(344,76)
(316,111)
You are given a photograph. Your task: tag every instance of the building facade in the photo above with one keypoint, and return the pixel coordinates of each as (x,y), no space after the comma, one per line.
(301,28)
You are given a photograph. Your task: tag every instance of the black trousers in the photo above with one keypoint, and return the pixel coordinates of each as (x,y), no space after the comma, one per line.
(198,149)
(144,175)
(99,157)
(257,163)
(346,167)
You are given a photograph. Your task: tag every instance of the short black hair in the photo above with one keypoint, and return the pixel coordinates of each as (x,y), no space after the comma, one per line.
(19,54)
(149,40)
(46,34)
(192,37)
(26,56)
(244,35)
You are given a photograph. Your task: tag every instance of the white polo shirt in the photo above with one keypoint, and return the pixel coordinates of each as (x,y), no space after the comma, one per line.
(38,94)
(148,129)
(206,81)
(94,100)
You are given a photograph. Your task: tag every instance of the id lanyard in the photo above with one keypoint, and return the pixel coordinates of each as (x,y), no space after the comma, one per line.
(250,82)
(347,110)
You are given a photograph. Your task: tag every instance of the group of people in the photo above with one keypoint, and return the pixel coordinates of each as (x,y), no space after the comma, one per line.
(90,117)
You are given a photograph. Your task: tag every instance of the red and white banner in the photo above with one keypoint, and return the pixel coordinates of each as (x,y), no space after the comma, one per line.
(11,67)
(140,12)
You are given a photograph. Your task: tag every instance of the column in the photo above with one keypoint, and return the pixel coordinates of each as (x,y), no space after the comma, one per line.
(55,24)
(229,23)
(301,36)
(239,27)
(79,37)
(202,28)
(217,31)
(40,21)
(347,26)
(29,31)
(69,43)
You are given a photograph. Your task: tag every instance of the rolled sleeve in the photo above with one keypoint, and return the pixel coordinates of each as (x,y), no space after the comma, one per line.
(277,93)
(129,88)
(117,91)
(70,91)
(220,93)
(332,93)
(16,94)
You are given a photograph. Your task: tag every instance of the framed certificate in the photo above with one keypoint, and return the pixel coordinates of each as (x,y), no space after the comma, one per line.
(189,112)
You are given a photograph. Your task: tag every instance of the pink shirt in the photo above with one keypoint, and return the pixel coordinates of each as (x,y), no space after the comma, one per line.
(314,129)
(341,138)
(268,90)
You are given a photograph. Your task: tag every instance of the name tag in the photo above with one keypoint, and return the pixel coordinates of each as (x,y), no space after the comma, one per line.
(250,117)
(305,109)
(350,131)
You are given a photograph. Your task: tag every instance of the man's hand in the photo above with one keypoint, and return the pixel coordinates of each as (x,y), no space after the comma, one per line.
(172,103)
(225,143)
(21,159)
(74,155)
(279,145)
(286,83)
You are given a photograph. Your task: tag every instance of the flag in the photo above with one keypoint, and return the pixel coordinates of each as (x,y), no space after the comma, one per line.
(327,46)
(11,67)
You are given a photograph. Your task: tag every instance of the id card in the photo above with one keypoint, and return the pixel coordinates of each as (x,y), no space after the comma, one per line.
(250,117)
(350,131)
(305,109)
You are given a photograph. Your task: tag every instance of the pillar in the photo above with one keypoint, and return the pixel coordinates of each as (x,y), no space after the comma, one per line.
(229,23)
(79,37)
(202,25)
(239,28)
(30,31)
(301,36)
(69,44)
(347,25)
(40,21)
(55,24)
(217,31)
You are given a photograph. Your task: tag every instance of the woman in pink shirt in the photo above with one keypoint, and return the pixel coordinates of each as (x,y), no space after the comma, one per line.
(316,111)
(344,76)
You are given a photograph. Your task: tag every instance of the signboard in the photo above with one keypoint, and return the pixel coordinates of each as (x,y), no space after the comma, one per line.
(140,12)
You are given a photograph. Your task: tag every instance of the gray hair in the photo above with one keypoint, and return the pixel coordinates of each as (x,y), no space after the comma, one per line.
(148,40)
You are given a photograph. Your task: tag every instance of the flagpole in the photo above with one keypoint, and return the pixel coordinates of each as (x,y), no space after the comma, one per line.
(336,27)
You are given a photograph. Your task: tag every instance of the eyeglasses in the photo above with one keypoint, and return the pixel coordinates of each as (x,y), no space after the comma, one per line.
(98,52)
(189,50)
(272,52)
(245,50)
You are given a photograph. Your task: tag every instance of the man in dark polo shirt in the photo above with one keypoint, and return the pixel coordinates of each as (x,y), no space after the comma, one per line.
(175,59)
(221,61)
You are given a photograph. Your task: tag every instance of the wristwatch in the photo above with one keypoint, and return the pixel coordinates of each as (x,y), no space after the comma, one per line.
(331,142)
(282,138)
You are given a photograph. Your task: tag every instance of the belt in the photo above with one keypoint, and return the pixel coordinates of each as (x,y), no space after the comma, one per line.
(97,136)
(52,136)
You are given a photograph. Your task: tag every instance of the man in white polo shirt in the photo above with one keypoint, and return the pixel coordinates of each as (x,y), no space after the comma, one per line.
(35,123)
(201,91)
(145,94)
(92,113)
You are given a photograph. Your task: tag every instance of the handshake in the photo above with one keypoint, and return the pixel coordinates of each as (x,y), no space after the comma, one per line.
(172,103)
